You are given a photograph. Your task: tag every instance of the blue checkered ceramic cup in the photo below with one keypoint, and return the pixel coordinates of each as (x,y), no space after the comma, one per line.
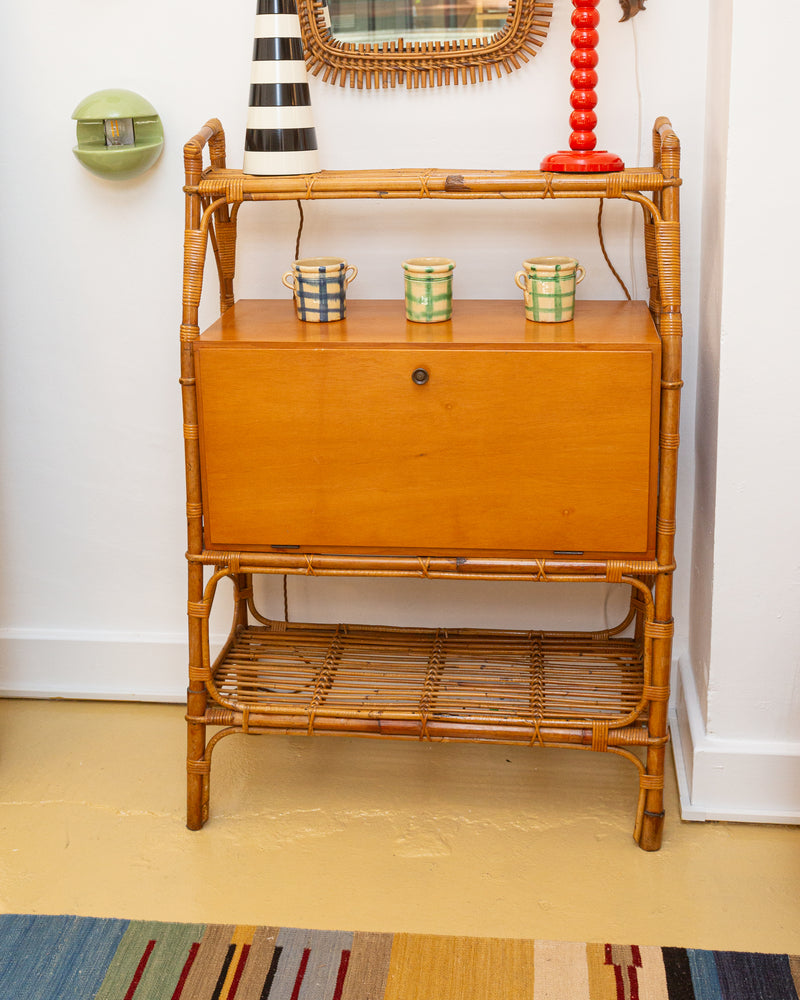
(319,285)
(549,287)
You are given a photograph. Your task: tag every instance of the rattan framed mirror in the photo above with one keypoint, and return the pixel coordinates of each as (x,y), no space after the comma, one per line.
(422,63)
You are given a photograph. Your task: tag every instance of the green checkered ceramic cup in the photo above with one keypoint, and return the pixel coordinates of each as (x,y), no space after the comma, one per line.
(549,287)
(429,289)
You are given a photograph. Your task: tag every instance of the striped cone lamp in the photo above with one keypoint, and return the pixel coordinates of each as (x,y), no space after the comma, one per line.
(280,136)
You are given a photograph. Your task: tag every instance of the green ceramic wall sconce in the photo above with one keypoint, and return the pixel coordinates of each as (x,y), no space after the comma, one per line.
(119,134)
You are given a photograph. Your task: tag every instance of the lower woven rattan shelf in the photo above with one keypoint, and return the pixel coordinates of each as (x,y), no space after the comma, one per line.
(449,684)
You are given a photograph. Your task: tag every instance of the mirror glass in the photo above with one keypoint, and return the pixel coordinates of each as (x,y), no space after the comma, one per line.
(376,21)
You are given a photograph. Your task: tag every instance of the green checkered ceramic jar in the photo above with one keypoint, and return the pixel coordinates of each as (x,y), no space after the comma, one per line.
(429,289)
(549,286)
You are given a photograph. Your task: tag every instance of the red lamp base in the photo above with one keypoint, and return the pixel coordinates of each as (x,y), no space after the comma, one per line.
(574,161)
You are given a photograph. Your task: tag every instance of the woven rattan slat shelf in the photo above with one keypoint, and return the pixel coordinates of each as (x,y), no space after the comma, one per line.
(440,682)
(395,512)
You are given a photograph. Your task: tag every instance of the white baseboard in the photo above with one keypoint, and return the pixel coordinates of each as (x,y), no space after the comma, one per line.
(747,781)
(113,666)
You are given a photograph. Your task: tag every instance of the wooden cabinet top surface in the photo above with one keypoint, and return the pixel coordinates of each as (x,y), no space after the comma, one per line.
(475,324)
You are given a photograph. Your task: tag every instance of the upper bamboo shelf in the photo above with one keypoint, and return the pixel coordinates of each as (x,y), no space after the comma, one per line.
(217,181)
(234,186)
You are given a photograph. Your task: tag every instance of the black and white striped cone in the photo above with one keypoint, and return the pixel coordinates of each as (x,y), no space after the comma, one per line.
(280,136)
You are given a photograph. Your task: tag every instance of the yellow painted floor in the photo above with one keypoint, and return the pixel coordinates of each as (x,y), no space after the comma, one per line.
(342,833)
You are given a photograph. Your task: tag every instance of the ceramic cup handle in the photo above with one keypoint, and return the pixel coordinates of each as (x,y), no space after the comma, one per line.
(519,280)
(580,274)
(349,277)
(289,280)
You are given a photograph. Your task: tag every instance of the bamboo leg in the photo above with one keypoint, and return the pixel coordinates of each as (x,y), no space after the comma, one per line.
(653,778)
(196,702)
(665,255)
(198,773)
(195,245)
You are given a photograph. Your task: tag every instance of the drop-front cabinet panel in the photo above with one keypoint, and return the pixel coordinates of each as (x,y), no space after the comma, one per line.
(524,438)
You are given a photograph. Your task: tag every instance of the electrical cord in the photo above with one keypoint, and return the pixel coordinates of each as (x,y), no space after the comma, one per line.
(299,232)
(605,254)
(296,257)
(639,132)
(632,234)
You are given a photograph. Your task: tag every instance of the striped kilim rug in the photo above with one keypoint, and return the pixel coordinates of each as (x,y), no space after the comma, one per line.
(83,958)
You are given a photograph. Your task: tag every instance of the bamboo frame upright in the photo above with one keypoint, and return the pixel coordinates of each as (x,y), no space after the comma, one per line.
(633,658)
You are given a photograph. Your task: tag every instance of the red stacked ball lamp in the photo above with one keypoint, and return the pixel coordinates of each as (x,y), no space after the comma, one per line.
(582,157)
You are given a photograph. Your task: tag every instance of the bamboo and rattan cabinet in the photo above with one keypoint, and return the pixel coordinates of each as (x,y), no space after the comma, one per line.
(529,452)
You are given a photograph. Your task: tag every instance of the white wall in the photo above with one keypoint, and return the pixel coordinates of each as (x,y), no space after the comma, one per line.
(92,597)
(738,704)
(92,491)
